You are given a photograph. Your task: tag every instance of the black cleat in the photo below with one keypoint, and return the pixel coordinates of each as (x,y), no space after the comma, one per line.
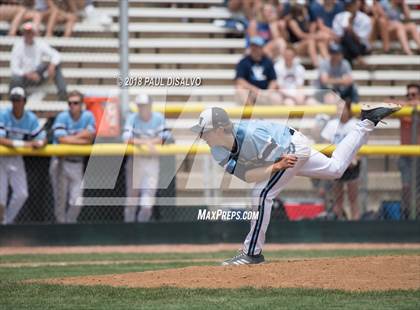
(243,259)
(376,112)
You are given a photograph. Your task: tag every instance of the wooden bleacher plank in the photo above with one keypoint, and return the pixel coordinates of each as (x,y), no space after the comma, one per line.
(86,27)
(232,59)
(136,43)
(223,74)
(213,91)
(209,2)
(179,43)
(211,13)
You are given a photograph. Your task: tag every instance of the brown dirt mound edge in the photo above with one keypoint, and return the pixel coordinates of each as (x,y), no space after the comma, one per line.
(196,248)
(374,273)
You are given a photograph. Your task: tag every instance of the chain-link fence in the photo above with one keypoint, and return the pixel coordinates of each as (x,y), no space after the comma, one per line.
(378,192)
(375,186)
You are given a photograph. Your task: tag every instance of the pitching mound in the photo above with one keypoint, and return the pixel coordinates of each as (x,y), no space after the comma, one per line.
(350,274)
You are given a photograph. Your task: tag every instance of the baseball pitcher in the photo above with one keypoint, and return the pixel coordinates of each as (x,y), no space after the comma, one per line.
(270,155)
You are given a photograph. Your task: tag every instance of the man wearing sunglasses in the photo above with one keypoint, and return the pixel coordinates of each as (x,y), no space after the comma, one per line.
(18,128)
(75,126)
(404,163)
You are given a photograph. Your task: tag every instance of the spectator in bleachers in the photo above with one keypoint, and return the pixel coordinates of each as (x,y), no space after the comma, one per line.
(290,78)
(369,7)
(283,7)
(404,164)
(55,12)
(336,74)
(28,65)
(18,128)
(254,74)
(144,128)
(245,8)
(13,12)
(394,17)
(266,26)
(32,15)
(322,15)
(86,9)
(334,132)
(306,42)
(73,127)
(353,29)
(238,20)
(40,12)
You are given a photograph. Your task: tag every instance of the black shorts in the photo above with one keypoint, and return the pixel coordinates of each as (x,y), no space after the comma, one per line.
(352,173)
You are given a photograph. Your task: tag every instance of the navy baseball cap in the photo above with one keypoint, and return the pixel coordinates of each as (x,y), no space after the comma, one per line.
(257,40)
(211,118)
(335,48)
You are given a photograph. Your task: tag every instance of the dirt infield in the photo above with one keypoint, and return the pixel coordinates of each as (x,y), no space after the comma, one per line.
(375,273)
(197,248)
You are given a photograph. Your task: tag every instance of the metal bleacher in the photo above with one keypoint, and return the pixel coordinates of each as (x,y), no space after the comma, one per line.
(178,38)
(169,38)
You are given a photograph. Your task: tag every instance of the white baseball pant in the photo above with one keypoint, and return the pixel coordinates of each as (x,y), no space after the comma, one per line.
(13,173)
(141,179)
(67,184)
(311,163)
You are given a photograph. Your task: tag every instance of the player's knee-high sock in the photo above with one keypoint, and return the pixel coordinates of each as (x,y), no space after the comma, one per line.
(16,203)
(19,186)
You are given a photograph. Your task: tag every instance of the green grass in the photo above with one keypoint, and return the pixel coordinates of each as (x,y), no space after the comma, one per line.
(15,294)
(19,296)
(19,274)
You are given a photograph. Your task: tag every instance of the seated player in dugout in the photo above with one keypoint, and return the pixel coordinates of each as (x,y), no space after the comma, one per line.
(76,126)
(270,155)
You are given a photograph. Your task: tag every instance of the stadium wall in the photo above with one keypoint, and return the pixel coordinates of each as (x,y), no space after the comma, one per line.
(207,232)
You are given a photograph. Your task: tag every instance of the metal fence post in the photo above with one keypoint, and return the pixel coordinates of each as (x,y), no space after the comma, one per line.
(413,185)
(364,197)
(124,64)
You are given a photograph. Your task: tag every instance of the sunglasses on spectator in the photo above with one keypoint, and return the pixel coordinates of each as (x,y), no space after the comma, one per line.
(411,95)
(74,102)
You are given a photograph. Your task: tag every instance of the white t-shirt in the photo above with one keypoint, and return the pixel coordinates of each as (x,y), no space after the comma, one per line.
(289,78)
(362,25)
(335,131)
(26,58)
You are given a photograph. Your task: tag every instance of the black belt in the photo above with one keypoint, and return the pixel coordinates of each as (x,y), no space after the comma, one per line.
(292,131)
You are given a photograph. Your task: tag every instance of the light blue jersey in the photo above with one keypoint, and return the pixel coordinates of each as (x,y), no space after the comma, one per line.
(258,143)
(138,128)
(26,128)
(65,125)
